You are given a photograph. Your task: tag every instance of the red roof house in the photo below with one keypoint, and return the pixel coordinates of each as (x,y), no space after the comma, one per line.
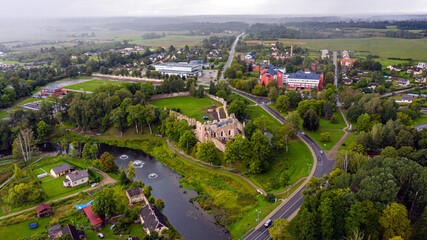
(94,219)
(43,210)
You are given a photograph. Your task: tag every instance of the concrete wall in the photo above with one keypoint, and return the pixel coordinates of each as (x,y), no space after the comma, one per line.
(170,95)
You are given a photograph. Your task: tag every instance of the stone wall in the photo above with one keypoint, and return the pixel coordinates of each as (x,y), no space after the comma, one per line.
(221,100)
(170,95)
(179,116)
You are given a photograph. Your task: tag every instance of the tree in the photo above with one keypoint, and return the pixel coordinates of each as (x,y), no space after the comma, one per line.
(118,117)
(86,154)
(159,204)
(107,162)
(325,137)
(238,107)
(294,98)
(23,145)
(404,118)
(280,229)
(261,152)
(394,221)
(273,93)
(131,171)
(43,130)
(329,78)
(263,123)
(105,203)
(311,120)
(237,149)
(123,179)
(282,103)
(259,90)
(93,151)
(212,89)
(295,119)
(135,113)
(354,112)
(389,152)
(187,140)
(363,123)
(206,151)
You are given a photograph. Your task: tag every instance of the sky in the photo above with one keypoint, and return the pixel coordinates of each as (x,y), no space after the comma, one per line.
(114,8)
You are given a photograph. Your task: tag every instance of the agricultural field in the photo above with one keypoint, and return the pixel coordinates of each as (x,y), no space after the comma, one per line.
(381,46)
(175,40)
(91,85)
(192,107)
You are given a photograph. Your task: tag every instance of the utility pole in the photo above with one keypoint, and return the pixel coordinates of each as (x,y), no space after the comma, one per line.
(258,211)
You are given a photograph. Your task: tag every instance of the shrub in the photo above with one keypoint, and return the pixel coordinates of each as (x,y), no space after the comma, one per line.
(325,137)
(334,120)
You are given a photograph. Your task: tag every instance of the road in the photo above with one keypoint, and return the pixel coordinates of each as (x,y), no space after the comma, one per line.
(324,166)
(336,76)
(231,57)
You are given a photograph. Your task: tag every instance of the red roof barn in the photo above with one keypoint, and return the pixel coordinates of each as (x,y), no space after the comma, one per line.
(94,219)
(43,210)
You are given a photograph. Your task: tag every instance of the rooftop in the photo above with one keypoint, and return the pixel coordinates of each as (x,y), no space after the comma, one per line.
(61,168)
(93,218)
(43,207)
(304,75)
(74,176)
(153,219)
(134,192)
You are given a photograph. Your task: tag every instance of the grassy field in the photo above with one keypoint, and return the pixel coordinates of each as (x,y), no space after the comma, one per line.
(383,47)
(250,102)
(351,138)
(420,120)
(295,161)
(92,85)
(3,114)
(29,100)
(273,106)
(21,230)
(257,111)
(335,136)
(327,124)
(175,40)
(190,106)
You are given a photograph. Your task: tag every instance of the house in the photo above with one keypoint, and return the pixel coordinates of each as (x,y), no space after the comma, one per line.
(325,53)
(136,195)
(181,69)
(373,86)
(421,65)
(347,62)
(394,67)
(76,178)
(268,73)
(250,55)
(54,231)
(74,56)
(72,231)
(415,70)
(420,79)
(403,82)
(347,81)
(61,170)
(43,210)
(152,219)
(94,219)
(405,99)
(51,91)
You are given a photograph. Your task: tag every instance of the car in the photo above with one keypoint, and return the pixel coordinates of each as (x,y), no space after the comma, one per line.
(98,134)
(321,152)
(94,184)
(100,235)
(268,223)
(303,133)
(318,158)
(205,117)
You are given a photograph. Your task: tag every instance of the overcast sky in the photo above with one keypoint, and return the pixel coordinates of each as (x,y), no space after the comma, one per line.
(108,8)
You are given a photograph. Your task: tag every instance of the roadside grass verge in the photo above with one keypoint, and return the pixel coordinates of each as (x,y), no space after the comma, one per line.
(257,111)
(327,124)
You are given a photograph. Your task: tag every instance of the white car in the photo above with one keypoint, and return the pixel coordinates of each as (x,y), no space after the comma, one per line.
(100,235)
(94,184)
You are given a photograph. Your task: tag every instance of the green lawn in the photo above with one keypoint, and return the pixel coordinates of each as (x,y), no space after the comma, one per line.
(53,187)
(3,114)
(192,107)
(21,230)
(350,139)
(327,124)
(295,161)
(257,111)
(335,136)
(233,95)
(92,85)
(420,120)
(29,100)
(381,46)
(273,106)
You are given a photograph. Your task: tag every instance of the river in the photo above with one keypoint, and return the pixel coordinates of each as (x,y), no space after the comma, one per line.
(188,218)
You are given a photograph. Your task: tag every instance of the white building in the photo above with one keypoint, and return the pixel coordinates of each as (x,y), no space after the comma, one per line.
(76,178)
(421,65)
(325,53)
(181,69)
(302,80)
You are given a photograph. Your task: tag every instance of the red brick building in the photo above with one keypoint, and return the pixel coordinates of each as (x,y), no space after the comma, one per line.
(50,91)
(348,62)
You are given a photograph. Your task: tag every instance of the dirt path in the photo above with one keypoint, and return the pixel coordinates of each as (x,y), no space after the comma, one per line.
(107,180)
(200,163)
(333,152)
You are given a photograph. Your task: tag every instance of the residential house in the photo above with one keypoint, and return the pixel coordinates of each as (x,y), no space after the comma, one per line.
(250,55)
(415,70)
(94,219)
(72,231)
(403,82)
(54,231)
(347,81)
(43,210)
(74,56)
(420,79)
(61,170)
(373,86)
(421,65)
(394,67)
(325,53)
(347,62)
(152,219)
(136,195)
(76,178)
(405,99)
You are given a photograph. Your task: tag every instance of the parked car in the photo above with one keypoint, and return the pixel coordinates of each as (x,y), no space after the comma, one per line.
(303,133)
(100,235)
(318,158)
(268,223)
(94,184)
(321,152)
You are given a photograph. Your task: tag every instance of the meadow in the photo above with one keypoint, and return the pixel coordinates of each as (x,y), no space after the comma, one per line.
(335,136)
(92,85)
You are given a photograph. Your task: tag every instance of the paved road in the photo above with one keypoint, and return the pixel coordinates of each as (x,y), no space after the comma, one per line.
(420,127)
(324,166)
(336,77)
(231,57)
(396,92)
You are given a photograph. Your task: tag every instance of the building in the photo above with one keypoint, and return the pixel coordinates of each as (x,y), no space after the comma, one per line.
(61,170)
(403,82)
(405,99)
(394,67)
(76,178)
(43,210)
(54,231)
(373,86)
(72,231)
(51,91)
(136,195)
(421,65)
(94,219)
(348,62)
(250,55)
(301,80)
(415,70)
(269,73)
(347,81)
(325,53)
(219,132)
(199,62)
(420,79)
(152,219)
(182,69)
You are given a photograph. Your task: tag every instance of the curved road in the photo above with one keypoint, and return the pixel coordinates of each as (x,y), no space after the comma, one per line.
(324,166)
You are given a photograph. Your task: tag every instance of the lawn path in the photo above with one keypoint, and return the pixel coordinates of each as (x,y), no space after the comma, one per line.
(107,180)
(200,163)
(333,152)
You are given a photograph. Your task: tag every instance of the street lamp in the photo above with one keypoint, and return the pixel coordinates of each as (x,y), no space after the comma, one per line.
(258,211)
(308,167)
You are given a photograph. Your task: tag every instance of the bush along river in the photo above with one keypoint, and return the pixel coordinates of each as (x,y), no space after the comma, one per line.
(188,218)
